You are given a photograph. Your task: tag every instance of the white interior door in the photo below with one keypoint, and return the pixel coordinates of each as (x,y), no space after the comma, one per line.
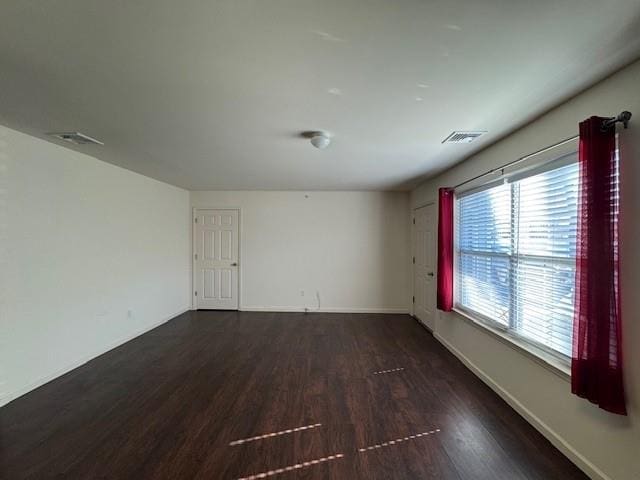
(424,285)
(216,259)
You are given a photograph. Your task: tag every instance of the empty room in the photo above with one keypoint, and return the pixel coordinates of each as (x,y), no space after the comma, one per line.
(294,239)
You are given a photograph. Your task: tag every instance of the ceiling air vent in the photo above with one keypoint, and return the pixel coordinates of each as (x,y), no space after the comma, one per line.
(462,137)
(76,138)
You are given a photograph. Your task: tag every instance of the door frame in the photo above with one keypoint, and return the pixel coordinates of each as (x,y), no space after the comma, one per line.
(413,254)
(194,299)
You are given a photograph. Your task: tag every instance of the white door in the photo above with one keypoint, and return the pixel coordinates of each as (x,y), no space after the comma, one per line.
(424,285)
(215,262)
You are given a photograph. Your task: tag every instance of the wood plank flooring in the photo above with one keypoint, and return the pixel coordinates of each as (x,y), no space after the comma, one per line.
(168,404)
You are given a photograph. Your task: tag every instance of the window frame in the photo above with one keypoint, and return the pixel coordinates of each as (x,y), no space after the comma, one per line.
(556,359)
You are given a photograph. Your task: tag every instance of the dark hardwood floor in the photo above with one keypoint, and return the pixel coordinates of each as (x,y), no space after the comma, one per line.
(168,404)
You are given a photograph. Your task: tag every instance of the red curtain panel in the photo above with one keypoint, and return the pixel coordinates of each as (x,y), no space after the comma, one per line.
(445,249)
(596,367)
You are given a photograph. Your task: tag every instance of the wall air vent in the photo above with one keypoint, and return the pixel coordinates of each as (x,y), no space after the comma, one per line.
(76,138)
(463,137)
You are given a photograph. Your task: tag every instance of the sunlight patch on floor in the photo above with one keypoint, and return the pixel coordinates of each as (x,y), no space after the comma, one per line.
(380,372)
(397,440)
(274,434)
(290,468)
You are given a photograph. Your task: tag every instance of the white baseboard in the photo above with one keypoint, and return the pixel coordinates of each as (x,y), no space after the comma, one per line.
(324,310)
(58,373)
(556,439)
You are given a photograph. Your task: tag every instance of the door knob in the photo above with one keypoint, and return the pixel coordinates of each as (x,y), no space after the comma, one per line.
(234,264)
(430,274)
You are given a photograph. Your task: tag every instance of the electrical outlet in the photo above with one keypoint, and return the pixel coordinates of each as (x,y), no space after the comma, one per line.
(129,314)
(302,293)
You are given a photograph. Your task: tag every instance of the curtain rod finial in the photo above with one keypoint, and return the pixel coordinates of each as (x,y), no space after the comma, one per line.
(624,117)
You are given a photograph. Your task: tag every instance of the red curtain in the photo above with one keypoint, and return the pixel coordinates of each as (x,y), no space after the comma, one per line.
(596,367)
(445,249)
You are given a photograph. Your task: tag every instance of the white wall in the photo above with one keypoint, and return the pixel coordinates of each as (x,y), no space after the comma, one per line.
(82,242)
(351,247)
(604,445)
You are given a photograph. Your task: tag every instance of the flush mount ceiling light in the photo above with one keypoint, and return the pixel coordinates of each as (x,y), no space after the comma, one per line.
(76,138)
(321,140)
(318,139)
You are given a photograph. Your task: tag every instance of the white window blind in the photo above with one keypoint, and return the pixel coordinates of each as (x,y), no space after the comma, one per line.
(515,248)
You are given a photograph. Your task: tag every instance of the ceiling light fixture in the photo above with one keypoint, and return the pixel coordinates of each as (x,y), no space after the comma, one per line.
(320,140)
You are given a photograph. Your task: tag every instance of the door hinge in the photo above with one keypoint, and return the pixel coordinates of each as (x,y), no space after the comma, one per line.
(195,256)
(195,293)
(195,220)
(414,260)
(414,299)
(414,221)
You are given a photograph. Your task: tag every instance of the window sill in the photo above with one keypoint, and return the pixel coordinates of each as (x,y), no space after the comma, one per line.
(544,359)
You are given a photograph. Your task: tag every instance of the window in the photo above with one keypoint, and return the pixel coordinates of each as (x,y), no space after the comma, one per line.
(515,254)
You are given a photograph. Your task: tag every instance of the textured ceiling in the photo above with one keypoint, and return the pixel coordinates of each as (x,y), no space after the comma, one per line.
(214,94)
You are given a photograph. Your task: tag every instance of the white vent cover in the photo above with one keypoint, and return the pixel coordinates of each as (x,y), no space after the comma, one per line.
(463,137)
(76,138)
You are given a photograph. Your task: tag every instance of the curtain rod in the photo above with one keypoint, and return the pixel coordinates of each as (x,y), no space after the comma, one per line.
(521,159)
(623,118)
